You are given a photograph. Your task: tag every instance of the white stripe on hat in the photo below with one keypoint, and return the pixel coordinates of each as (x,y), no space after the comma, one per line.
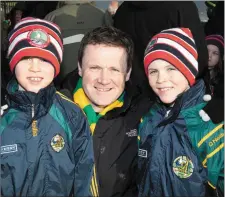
(20,37)
(181,32)
(181,49)
(57,46)
(173,56)
(36,20)
(180,39)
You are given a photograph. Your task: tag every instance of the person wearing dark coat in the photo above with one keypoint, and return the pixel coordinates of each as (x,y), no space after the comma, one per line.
(215,24)
(141,20)
(101,87)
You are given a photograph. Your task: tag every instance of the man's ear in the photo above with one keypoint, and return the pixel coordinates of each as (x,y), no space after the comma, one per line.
(79,70)
(128,74)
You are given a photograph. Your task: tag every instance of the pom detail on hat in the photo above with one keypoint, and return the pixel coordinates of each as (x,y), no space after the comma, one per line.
(207,97)
(205,117)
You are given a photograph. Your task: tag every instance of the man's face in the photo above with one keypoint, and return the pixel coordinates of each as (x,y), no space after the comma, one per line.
(104,73)
(34,74)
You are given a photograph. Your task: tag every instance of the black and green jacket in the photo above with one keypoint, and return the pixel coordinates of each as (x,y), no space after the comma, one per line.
(46,146)
(179,153)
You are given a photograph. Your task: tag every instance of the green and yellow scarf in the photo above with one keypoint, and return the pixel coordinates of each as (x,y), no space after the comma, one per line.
(83,102)
(80,98)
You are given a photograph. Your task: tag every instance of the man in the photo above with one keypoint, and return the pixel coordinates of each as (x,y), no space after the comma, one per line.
(102,88)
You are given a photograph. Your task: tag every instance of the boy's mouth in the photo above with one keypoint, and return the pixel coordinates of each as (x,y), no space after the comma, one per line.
(34,79)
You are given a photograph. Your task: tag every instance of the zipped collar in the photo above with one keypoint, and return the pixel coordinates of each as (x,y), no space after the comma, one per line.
(27,101)
(188,99)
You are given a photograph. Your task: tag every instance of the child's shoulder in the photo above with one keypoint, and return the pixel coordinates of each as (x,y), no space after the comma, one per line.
(65,102)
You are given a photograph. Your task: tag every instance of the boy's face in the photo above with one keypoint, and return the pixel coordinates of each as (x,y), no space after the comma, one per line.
(104,73)
(214,56)
(34,74)
(166,81)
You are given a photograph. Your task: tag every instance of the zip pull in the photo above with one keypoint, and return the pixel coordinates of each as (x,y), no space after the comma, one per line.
(167,113)
(34,123)
(32,111)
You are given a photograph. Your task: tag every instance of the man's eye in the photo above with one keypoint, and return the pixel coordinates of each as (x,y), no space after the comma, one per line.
(95,68)
(115,70)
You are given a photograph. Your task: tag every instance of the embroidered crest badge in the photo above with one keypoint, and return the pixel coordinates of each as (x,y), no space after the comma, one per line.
(38,38)
(152,43)
(57,143)
(183,167)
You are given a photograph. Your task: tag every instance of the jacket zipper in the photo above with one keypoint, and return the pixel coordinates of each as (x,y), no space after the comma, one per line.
(34,123)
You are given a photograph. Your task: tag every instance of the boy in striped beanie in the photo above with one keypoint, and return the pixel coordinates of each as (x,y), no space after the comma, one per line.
(180,154)
(46,146)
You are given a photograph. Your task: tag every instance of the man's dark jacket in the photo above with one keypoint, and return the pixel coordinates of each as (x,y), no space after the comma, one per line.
(115,142)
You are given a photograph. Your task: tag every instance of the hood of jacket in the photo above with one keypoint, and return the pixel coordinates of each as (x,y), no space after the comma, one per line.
(27,101)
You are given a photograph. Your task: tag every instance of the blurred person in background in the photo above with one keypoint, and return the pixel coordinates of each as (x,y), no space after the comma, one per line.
(75,18)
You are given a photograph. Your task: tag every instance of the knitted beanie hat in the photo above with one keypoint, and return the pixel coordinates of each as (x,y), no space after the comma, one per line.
(216,40)
(177,47)
(33,37)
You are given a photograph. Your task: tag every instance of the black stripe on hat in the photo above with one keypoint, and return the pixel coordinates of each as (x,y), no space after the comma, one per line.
(177,54)
(24,44)
(36,23)
(181,36)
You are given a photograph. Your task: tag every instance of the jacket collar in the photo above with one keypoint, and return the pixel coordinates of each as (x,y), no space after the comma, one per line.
(188,99)
(25,100)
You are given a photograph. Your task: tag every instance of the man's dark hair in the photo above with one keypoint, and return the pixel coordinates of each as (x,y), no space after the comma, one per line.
(109,36)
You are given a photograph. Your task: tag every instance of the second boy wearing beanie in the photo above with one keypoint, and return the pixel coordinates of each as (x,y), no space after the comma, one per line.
(178,154)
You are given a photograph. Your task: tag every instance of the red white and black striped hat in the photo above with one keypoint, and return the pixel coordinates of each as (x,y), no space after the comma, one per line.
(33,37)
(176,46)
(216,40)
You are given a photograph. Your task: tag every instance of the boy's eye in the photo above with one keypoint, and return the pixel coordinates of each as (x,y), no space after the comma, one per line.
(170,69)
(29,59)
(43,60)
(152,72)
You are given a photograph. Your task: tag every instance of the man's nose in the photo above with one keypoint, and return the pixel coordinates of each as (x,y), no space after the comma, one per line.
(104,77)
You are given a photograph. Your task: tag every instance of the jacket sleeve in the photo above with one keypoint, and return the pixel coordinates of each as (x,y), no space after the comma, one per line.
(212,147)
(84,157)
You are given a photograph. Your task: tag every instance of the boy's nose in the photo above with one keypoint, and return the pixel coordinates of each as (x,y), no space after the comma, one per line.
(34,66)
